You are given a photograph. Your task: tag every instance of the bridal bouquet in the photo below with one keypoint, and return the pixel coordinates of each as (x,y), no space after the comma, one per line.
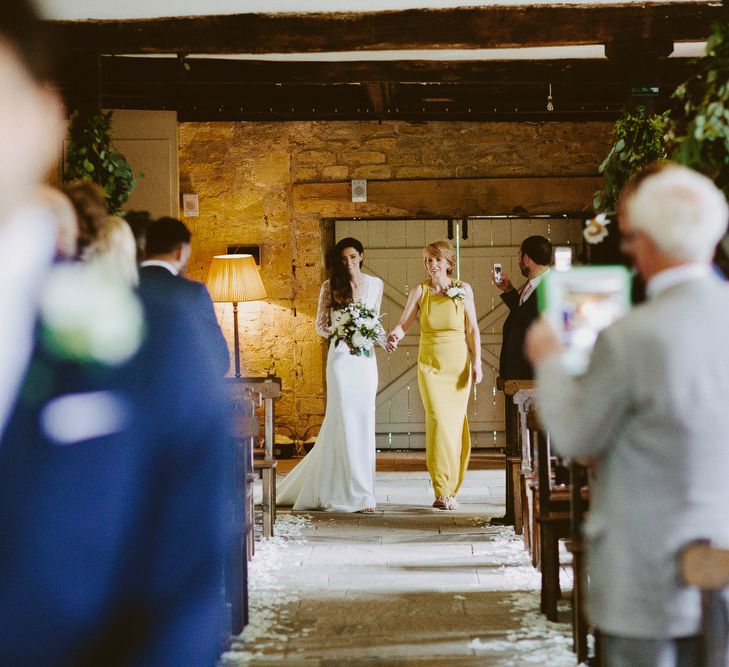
(359,327)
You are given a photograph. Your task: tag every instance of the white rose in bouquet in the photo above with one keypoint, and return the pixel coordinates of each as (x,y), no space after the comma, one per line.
(360,341)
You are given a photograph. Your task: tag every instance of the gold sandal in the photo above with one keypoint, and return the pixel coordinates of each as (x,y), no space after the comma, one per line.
(441,503)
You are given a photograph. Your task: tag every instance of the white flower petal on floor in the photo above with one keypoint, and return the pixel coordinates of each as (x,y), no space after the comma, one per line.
(405,583)
(268,593)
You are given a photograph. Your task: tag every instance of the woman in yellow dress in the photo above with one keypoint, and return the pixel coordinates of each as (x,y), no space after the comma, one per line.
(449,359)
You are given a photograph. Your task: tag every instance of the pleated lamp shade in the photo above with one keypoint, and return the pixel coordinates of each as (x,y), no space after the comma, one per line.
(234,279)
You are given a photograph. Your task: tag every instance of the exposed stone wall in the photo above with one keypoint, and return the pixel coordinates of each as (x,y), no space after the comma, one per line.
(244,174)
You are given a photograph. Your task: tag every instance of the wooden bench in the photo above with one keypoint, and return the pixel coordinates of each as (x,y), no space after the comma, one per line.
(523,509)
(265,390)
(579,504)
(267,472)
(244,429)
(707,568)
(512,449)
(551,504)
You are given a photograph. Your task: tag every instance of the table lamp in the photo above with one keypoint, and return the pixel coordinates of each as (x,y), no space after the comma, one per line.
(233,279)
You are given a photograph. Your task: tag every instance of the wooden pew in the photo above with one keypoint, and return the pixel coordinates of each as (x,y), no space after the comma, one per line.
(579,503)
(707,567)
(244,430)
(524,511)
(513,447)
(265,390)
(574,510)
(552,515)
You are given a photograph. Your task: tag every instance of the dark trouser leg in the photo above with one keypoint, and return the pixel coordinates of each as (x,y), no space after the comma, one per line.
(630,652)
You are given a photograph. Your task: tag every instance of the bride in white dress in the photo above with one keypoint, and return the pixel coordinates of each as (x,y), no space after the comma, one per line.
(338,474)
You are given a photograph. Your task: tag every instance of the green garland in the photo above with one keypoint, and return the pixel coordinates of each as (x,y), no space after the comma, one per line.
(90,156)
(639,141)
(698,132)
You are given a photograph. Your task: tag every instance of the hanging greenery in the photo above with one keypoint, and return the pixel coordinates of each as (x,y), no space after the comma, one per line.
(698,132)
(639,141)
(90,156)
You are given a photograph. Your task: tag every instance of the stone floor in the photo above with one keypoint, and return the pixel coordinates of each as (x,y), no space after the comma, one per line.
(409,585)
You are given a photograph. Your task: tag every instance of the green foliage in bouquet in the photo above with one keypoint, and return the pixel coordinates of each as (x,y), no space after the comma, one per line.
(639,141)
(698,131)
(90,156)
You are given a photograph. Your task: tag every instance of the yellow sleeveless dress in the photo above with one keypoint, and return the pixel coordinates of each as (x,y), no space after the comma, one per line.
(444,378)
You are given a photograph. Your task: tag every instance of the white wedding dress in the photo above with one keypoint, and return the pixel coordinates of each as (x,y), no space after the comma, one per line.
(338,474)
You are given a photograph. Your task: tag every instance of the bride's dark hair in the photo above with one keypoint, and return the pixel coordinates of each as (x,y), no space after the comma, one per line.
(339,284)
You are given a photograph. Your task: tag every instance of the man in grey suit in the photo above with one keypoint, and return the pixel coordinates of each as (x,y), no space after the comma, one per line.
(650,414)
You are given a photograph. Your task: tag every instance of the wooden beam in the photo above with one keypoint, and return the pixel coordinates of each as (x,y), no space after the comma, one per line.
(215,89)
(380,95)
(496,26)
(450,197)
(211,71)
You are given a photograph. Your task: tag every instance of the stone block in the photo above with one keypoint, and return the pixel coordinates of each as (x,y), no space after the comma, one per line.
(274,168)
(360,157)
(336,172)
(310,158)
(373,172)
(306,174)
(418,172)
(384,144)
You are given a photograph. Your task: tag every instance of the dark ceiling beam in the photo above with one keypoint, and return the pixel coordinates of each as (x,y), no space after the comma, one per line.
(215,72)
(516,26)
(380,95)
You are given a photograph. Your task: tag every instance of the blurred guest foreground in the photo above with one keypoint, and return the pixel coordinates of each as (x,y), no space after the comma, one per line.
(114,452)
(650,415)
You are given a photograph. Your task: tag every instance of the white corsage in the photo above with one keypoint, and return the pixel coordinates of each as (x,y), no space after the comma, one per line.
(89,314)
(596,229)
(456,291)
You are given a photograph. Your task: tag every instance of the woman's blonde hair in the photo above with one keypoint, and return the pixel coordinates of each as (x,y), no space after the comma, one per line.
(441,250)
(116,247)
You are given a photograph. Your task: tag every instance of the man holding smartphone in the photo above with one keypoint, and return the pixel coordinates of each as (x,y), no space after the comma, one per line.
(535,255)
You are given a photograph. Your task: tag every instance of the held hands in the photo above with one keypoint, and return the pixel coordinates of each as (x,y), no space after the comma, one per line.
(541,341)
(504,284)
(392,340)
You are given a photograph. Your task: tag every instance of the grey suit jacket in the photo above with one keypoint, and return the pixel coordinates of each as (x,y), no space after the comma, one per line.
(653,412)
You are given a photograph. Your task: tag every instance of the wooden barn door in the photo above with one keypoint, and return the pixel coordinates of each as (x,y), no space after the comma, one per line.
(393,252)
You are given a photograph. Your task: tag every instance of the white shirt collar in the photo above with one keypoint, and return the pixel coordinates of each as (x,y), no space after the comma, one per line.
(675,276)
(163,264)
(538,278)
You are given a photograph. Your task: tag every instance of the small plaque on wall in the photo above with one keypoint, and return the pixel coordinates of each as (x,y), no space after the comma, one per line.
(359,189)
(190,206)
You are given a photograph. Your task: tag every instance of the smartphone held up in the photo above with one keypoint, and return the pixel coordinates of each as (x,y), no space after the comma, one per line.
(497,273)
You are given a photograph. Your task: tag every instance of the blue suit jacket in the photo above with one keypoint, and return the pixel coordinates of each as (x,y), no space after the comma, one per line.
(112,546)
(193,295)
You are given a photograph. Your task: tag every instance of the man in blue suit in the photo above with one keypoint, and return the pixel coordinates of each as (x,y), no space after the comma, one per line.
(113,469)
(113,500)
(167,251)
